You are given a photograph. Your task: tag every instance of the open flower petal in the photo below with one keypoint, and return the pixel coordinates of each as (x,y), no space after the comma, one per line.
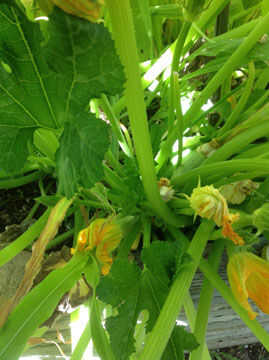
(249,278)
(104,235)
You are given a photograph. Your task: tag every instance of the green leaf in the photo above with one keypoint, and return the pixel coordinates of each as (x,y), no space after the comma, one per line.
(37,307)
(25,87)
(42,84)
(13,146)
(92,273)
(99,334)
(121,327)
(83,145)
(180,341)
(121,289)
(126,278)
(84,57)
(153,294)
(131,291)
(161,259)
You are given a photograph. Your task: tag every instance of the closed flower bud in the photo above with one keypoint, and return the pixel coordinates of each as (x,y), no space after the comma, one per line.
(208,203)
(260,218)
(235,193)
(249,278)
(166,191)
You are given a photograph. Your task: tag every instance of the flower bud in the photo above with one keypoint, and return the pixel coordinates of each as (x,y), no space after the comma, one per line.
(166,191)
(208,203)
(235,193)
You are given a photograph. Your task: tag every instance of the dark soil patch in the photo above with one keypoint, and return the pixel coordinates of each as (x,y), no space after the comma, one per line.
(16,203)
(241,352)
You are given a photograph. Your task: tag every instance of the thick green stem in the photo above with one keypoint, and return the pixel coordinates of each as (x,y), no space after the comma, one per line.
(230,65)
(20,181)
(123,33)
(258,103)
(175,62)
(225,292)
(239,142)
(166,58)
(208,16)
(59,239)
(82,343)
(165,323)
(146,233)
(174,98)
(222,168)
(115,124)
(232,119)
(206,296)
(190,311)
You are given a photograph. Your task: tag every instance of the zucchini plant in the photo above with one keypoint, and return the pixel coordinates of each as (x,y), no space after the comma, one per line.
(145,124)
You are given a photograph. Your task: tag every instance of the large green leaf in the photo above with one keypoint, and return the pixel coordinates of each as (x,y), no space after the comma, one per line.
(37,307)
(121,288)
(82,149)
(26,87)
(42,84)
(83,56)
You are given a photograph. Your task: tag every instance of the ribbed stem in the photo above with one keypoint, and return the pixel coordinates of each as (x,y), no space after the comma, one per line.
(165,323)
(20,181)
(124,36)
(206,296)
(236,59)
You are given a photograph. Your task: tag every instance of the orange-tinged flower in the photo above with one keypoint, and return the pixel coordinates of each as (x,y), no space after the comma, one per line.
(208,203)
(249,278)
(87,9)
(104,235)
(228,231)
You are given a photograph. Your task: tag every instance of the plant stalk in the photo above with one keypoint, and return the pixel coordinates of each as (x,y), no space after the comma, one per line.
(235,60)
(124,36)
(165,323)
(206,296)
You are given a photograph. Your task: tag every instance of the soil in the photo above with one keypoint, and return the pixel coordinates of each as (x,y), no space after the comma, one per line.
(16,203)
(241,352)
(14,207)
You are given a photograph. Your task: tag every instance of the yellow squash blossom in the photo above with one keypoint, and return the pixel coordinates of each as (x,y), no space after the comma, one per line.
(87,9)
(249,278)
(208,203)
(103,235)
